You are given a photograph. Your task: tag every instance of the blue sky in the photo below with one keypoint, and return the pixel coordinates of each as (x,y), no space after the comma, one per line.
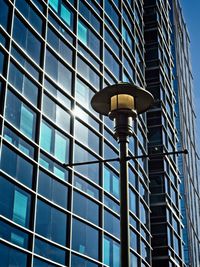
(191,11)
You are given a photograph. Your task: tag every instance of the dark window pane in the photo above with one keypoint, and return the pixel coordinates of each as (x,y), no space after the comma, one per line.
(12,257)
(20,115)
(111,224)
(16,166)
(53,167)
(86,187)
(82,234)
(91,170)
(4,13)
(23,84)
(29,14)
(54,142)
(53,189)
(49,251)
(13,235)
(51,223)
(17,141)
(56,113)
(14,203)
(58,72)
(85,208)
(60,46)
(27,40)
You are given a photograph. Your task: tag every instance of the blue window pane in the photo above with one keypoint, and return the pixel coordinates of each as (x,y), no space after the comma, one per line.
(53,189)
(134,260)
(17,141)
(111,204)
(88,38)
(56,113)
(54,4)
(13,235)
(25,38)
(63,11)
(12,257)
(86,187)
(4,15)
(54,142)
(20,208)
(112,63)
(110,10)
(58,72)
(25,63)
(53,167)
(86,136)
(133,201)
(1,62)
(88,15)
(111,224)
(92,170)
(60,46)
(85,208)
(23,84)
(51,223)
(81,262)
(20,115)
(88,73)
(82,234)
(111,182)
(29,14)
(14,203)
(16,166)
(111,252)
(133,240)
(49,251)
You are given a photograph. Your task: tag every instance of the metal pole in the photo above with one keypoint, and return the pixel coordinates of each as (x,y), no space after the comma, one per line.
(124,202)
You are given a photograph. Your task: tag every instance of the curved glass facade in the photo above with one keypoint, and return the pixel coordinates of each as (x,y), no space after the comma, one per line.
(53,57)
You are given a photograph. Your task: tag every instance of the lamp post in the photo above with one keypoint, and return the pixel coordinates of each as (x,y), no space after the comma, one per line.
(121,103)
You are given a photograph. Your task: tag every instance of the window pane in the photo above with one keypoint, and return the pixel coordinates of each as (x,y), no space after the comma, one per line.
(12,257)
(111,182)
(16,166)
(86,136)
(53,189)
(13,235)
(27,40)
(58,72)
(20,208)
(23,84)
(51,223)
(111,252)
(56,113)
(82,234)
(111,224)
(20,115)
(54,142)
(86,187)
(4,15)
(50,251)
(14,203)
(85,208)
(90,170)
(17,141)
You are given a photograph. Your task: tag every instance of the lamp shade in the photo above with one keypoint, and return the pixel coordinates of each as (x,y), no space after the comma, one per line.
(141,99)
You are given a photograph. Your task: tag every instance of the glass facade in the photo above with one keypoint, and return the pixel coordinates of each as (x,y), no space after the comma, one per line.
(54,56)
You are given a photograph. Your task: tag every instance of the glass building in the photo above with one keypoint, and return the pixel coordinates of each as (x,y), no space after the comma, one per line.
(54,55)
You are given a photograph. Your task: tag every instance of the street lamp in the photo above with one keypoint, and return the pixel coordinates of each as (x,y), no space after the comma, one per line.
(122,103)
